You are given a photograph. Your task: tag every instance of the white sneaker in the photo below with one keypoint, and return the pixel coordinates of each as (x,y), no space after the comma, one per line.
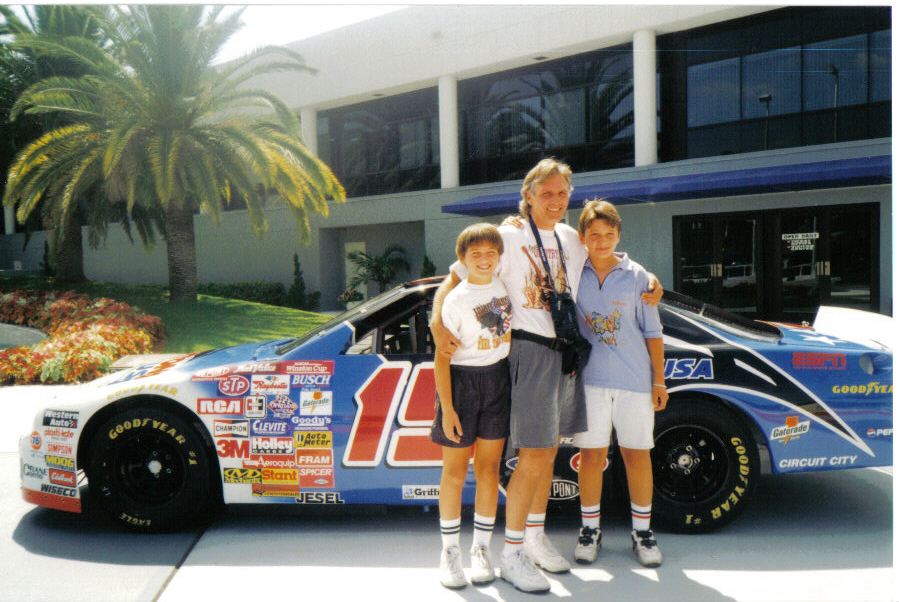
(519,570)
(646,548)
(481,565)
(588,545)
(451,574)
(541,551)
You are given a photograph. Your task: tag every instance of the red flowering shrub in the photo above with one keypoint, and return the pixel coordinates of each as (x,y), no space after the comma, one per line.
(84,335)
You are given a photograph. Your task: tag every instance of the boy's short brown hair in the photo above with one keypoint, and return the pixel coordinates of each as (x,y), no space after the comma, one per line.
(598,209)
(477,234)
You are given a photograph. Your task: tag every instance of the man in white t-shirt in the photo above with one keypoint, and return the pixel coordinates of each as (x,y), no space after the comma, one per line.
(546,404)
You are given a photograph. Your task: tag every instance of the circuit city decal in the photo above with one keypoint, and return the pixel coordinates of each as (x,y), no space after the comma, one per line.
(800,463)
(791,430)
(689,368)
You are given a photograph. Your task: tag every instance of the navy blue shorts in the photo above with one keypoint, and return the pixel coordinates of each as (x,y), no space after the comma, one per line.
(481,398)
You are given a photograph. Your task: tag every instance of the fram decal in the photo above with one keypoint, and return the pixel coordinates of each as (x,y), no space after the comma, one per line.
(819,361)
(689,368)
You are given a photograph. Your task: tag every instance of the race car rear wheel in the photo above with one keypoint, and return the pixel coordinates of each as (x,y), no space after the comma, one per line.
(149,469)
(705,466)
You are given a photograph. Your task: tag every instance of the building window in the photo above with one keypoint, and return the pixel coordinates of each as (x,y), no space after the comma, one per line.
(578,109)
(786,78)
(383,146)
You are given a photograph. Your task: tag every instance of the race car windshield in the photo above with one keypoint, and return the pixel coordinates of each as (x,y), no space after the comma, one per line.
(720,318)
(351,315)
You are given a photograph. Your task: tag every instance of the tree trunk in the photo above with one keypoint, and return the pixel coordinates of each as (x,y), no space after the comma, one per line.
(181,251)
(69,255)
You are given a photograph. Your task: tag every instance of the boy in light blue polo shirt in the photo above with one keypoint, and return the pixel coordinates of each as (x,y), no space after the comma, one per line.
(624,381)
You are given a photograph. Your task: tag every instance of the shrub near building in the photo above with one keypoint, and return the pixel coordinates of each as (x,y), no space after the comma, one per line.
(85,336)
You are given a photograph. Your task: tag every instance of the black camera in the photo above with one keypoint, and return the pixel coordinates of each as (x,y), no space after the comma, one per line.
(576,349)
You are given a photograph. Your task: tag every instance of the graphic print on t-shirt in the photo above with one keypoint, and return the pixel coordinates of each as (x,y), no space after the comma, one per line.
(605,327)
(536,282)
(495,317)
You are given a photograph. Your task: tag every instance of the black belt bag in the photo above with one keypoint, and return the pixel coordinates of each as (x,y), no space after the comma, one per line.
(575,353)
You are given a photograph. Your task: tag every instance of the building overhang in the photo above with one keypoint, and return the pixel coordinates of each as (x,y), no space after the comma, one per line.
(839,173)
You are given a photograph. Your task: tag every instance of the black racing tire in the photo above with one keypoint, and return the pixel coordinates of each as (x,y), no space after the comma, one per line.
(149,469)
(705,466)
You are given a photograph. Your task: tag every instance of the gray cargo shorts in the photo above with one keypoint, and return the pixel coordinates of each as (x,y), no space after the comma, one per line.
(546,404)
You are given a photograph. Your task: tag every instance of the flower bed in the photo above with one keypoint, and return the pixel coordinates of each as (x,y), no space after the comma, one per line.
(85,335)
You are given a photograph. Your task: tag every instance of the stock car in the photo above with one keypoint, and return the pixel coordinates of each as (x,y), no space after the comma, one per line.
(341,414)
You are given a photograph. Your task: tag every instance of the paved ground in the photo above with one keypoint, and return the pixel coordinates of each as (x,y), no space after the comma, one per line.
(824,537)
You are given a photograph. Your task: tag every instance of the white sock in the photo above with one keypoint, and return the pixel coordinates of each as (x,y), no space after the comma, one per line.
(514,542)
(640,516)
(590,516)
(483,529)
(534,525)
(449,531)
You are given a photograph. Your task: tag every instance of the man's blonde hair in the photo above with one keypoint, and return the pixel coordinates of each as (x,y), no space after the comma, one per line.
(476,234)
(540,173)
(598,209)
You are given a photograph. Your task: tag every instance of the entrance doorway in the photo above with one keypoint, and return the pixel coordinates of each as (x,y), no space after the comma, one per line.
(780,264)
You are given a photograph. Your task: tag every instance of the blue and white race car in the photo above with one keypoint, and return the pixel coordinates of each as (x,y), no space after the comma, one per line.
(341,415)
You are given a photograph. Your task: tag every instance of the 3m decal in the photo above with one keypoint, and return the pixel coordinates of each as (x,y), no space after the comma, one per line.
(233,448)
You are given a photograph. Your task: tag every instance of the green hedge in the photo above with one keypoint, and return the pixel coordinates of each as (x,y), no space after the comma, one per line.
(270,293)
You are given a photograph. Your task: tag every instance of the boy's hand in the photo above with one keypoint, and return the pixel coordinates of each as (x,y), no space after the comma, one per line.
(444,341)
(513,220)
(451,426)
(659,397)
(654,293)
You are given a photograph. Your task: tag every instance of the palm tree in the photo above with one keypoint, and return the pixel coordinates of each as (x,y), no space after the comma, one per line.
(19,68)
(162,129)
(381,268)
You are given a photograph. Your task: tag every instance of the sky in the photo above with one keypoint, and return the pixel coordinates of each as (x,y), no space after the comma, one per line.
(285,23)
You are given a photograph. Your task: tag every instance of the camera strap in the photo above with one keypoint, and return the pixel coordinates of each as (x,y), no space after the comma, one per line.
(544,259)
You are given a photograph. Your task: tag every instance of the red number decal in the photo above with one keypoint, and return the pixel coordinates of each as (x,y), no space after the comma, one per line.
(377,401)
(417,407)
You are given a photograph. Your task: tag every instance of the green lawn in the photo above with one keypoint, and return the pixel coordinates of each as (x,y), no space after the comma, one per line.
(210,322)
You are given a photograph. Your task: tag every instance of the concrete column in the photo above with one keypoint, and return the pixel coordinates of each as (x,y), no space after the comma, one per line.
(9,220)
(448,113)
(309,129)
(646,150)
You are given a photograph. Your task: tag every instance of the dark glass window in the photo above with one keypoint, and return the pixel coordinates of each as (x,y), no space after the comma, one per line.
(383,146)
(578,109)
(784,78)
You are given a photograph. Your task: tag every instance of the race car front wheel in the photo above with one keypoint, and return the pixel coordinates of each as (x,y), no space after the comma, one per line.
(149,469)
(705,466)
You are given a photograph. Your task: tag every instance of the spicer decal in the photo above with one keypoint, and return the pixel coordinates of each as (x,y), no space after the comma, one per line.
(311,477)
(61,419)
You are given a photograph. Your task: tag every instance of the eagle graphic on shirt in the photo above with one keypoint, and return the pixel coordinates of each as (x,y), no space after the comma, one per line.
(495,316)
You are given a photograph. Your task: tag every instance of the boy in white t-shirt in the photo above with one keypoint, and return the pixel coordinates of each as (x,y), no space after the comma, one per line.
(474,395)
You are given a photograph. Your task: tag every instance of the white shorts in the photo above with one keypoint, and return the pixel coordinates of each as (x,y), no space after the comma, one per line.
(631,414)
